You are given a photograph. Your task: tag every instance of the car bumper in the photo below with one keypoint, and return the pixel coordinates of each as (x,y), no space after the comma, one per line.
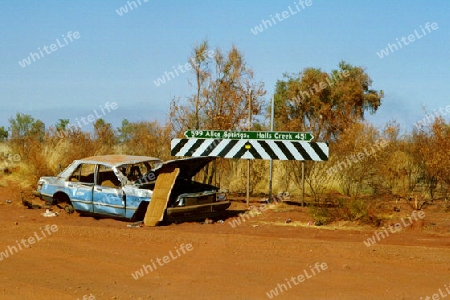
(197,212)
(47,198)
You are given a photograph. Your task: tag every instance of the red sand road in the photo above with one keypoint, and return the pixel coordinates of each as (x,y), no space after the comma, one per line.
(98,258)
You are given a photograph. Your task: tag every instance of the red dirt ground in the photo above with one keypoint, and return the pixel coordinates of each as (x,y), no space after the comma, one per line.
(95,259)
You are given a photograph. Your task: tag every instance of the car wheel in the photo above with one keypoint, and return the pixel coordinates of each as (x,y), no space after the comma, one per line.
(139,215)
(69,209)
(60,198)
(165,221)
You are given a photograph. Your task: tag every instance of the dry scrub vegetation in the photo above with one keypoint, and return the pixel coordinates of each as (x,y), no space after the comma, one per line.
(370,173)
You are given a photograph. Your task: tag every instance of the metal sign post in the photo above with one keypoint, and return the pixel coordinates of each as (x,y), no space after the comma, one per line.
(248,160)
(272,109)
(303,183)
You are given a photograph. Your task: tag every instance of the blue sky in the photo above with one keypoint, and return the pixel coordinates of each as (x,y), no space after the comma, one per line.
(118,58)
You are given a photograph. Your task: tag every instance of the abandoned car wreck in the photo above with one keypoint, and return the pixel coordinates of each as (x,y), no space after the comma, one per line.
(136,188)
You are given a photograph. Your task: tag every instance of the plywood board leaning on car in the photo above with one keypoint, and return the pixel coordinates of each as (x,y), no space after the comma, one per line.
(161,194)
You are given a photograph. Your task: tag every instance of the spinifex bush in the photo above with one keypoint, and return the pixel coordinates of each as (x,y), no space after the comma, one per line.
(321,215)
(345,209)
(352,209)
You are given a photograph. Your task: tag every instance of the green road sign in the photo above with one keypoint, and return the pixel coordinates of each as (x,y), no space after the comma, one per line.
(249,135)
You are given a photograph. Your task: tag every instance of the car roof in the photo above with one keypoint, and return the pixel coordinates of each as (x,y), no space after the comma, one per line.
(116,160)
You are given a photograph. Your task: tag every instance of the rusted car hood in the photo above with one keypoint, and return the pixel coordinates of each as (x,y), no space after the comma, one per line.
(189,167)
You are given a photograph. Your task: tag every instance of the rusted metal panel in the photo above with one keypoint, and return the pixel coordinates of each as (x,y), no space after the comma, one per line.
(118,159)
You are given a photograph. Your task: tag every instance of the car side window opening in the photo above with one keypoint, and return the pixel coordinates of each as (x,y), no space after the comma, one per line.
(107,178)
(83,173)
(134,172)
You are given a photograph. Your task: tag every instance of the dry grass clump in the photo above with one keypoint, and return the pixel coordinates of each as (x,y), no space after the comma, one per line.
(48,155)
(362,211)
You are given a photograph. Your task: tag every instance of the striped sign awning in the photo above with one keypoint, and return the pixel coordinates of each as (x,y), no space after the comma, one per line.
(250,149)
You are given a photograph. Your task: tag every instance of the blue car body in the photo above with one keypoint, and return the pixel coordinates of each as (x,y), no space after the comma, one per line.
(122,185)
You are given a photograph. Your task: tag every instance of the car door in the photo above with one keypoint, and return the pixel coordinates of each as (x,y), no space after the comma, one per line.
(80,187)
(108,196)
